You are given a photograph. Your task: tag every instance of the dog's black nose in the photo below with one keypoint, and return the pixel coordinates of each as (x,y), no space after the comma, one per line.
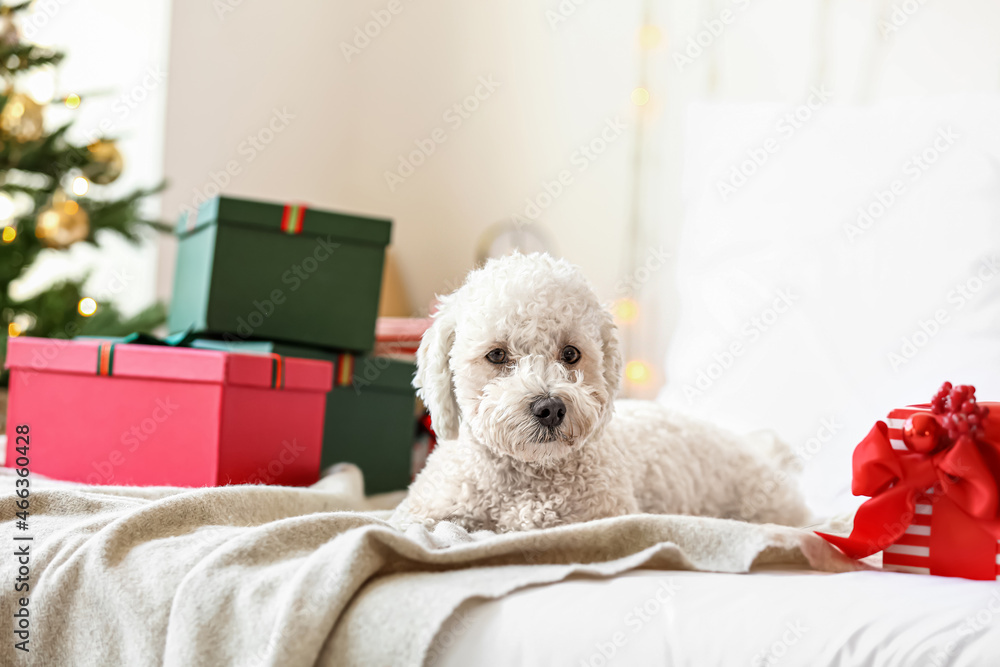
(549,411)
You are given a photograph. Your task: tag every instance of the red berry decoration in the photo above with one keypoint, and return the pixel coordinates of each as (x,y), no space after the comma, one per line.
(961,414)
(922,433)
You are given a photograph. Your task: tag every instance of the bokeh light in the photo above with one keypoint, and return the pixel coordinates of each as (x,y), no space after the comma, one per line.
(638,372)
(80,186)
(649,36)
(87,306)
(626,310)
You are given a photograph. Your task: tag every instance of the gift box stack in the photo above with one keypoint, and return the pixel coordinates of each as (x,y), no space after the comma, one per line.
(932,473)
(398,338)
(270,377)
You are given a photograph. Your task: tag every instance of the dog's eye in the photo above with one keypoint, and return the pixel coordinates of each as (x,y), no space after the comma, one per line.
(570,355)
(497,356)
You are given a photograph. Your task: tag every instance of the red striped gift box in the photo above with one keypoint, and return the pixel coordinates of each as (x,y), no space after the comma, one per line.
(912,552)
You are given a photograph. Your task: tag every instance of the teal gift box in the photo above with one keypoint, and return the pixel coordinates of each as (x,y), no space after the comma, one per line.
(370,418)
(280,272)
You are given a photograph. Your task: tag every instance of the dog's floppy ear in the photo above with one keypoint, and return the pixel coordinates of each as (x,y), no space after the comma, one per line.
(612,354)
(433,379)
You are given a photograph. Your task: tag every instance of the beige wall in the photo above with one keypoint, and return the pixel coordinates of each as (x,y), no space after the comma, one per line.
(558,87)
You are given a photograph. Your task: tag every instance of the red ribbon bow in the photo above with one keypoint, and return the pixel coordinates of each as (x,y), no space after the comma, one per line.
(895,478)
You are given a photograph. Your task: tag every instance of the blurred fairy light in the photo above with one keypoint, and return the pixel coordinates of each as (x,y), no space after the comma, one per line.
(72,101)
(9,234)
(13,330)
(87,306)
(80,186)
(638,372)
(626,310)
(41,85)
(640,96)
(649,36)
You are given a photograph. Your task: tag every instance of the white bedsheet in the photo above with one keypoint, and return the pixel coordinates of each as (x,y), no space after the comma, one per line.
(765,618)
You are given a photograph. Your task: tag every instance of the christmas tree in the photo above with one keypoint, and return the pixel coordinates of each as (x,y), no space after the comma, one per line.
(49,199)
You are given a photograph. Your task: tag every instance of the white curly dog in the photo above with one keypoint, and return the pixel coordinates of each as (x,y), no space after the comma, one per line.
(520,371)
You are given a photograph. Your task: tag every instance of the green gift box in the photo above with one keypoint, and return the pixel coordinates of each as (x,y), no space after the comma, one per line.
(267,271)
(370,418)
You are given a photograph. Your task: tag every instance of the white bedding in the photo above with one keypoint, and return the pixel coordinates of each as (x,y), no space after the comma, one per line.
(766,618)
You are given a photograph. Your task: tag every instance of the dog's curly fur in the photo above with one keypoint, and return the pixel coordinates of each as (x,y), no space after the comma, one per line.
(496,467)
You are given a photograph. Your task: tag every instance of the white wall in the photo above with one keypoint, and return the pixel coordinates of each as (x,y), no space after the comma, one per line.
(117,51)
(773,51)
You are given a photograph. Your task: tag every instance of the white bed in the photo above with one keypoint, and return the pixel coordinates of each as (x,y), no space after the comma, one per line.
(766,618)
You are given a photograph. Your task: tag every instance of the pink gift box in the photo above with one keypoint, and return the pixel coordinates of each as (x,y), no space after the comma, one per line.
(106,413)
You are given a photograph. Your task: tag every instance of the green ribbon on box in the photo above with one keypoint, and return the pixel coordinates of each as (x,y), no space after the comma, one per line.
(179,339)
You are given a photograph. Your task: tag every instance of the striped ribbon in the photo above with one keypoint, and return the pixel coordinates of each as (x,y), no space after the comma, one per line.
(105,359)
(291,218)
(277,372)
(344,370)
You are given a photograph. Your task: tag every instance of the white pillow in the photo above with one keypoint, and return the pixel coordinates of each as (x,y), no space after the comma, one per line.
(854,269)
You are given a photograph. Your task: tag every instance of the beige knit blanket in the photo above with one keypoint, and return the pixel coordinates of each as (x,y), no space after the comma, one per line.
(258,575)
